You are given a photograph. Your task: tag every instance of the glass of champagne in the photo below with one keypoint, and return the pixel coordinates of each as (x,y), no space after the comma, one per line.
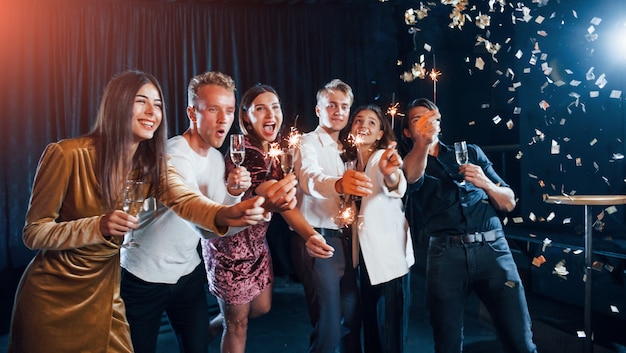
(133,203)
(460,153)
(237,150)
(286,160)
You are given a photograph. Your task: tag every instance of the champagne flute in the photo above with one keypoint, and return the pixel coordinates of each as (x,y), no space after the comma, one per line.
(133,203)
(286,160)
(237,150)
(460,153)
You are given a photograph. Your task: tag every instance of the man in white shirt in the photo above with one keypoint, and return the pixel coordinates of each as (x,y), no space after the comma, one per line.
(329,280)
(165,272)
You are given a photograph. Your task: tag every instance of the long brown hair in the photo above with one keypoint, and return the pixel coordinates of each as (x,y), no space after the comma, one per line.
(113,135)
(350,152)
(246,102)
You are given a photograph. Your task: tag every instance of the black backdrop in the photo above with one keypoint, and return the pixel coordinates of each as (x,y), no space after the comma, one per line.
(56,57)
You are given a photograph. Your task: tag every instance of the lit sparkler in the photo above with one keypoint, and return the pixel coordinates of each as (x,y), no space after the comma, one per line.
(273,154)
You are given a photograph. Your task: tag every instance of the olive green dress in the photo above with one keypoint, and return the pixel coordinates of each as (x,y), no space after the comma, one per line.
(68,299)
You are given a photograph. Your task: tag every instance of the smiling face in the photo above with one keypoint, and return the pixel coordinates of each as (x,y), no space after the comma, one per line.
(367,125)
(265,115)
(147,112)
(333,110)
(213,115)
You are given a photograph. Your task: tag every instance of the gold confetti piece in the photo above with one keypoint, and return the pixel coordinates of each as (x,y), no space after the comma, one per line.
(510,124)
(595,21)
(614,309)
(593,142)
(555,148)
(578,251)
(611,209)
(597,265)
(601,81)
(496,119)
(542,183)
(480,63)
(560,269)
(538,261)
(579,162)
(550,216)
(532,217)
(567,220)
(544,105)
(581,334)
(594,94)
(546,242)
(532,235)
(616,94)
(574,83)
(567,250)
(520,154)
(609,267)
(542,33)
(471,123)
(518,220)
(509,284)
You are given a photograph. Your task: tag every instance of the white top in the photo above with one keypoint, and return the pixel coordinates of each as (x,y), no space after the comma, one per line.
(318,166)
(383,231)
(167,243)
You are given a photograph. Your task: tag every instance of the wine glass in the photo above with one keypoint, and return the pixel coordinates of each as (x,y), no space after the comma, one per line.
(460,153)
(237,150)
(286,160)
(133,203)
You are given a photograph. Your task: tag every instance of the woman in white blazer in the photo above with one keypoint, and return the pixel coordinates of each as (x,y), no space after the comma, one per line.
(386,249)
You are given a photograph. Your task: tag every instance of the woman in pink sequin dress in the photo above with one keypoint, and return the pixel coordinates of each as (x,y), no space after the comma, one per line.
(239,267)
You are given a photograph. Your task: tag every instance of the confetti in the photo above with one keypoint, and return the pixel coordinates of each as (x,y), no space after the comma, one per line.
(538,261)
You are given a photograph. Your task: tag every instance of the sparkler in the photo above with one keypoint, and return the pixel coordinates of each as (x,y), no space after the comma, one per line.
(393,109)
(273,154)
(433,76)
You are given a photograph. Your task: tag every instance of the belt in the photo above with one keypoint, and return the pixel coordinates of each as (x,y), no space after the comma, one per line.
(330,233)
(471,238)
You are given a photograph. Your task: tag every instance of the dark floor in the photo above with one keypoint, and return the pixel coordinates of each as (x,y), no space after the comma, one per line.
(286,327)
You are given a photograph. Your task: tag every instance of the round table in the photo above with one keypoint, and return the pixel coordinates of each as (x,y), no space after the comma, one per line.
(587,201)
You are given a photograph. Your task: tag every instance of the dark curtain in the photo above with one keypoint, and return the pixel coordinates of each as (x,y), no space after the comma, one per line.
(57,56)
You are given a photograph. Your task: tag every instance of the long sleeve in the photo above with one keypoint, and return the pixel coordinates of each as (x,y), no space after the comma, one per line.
(65,206)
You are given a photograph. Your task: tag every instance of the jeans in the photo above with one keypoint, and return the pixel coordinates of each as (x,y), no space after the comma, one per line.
(184,302)
(488,269)
(332,297)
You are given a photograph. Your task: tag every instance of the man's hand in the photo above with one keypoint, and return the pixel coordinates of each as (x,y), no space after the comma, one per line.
(279,195)
(246,213)
(316,247)
(354,183)
(428,126)
(239,180)
(117,223)
(475,175)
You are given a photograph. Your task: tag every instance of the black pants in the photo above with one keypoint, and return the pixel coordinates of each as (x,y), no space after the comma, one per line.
(332,297)
(385,309)
(184,302)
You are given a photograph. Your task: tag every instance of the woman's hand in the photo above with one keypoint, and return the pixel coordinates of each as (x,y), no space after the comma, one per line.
(117,223)
(280,195)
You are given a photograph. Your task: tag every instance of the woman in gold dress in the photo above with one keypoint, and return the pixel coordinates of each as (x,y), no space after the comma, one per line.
(68,298)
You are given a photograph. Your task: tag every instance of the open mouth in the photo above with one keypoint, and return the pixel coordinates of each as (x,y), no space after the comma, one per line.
(147,123)
(269,128)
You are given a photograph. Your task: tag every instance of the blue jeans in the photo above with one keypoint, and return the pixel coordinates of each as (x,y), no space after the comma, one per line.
(184,302)
(488,269)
